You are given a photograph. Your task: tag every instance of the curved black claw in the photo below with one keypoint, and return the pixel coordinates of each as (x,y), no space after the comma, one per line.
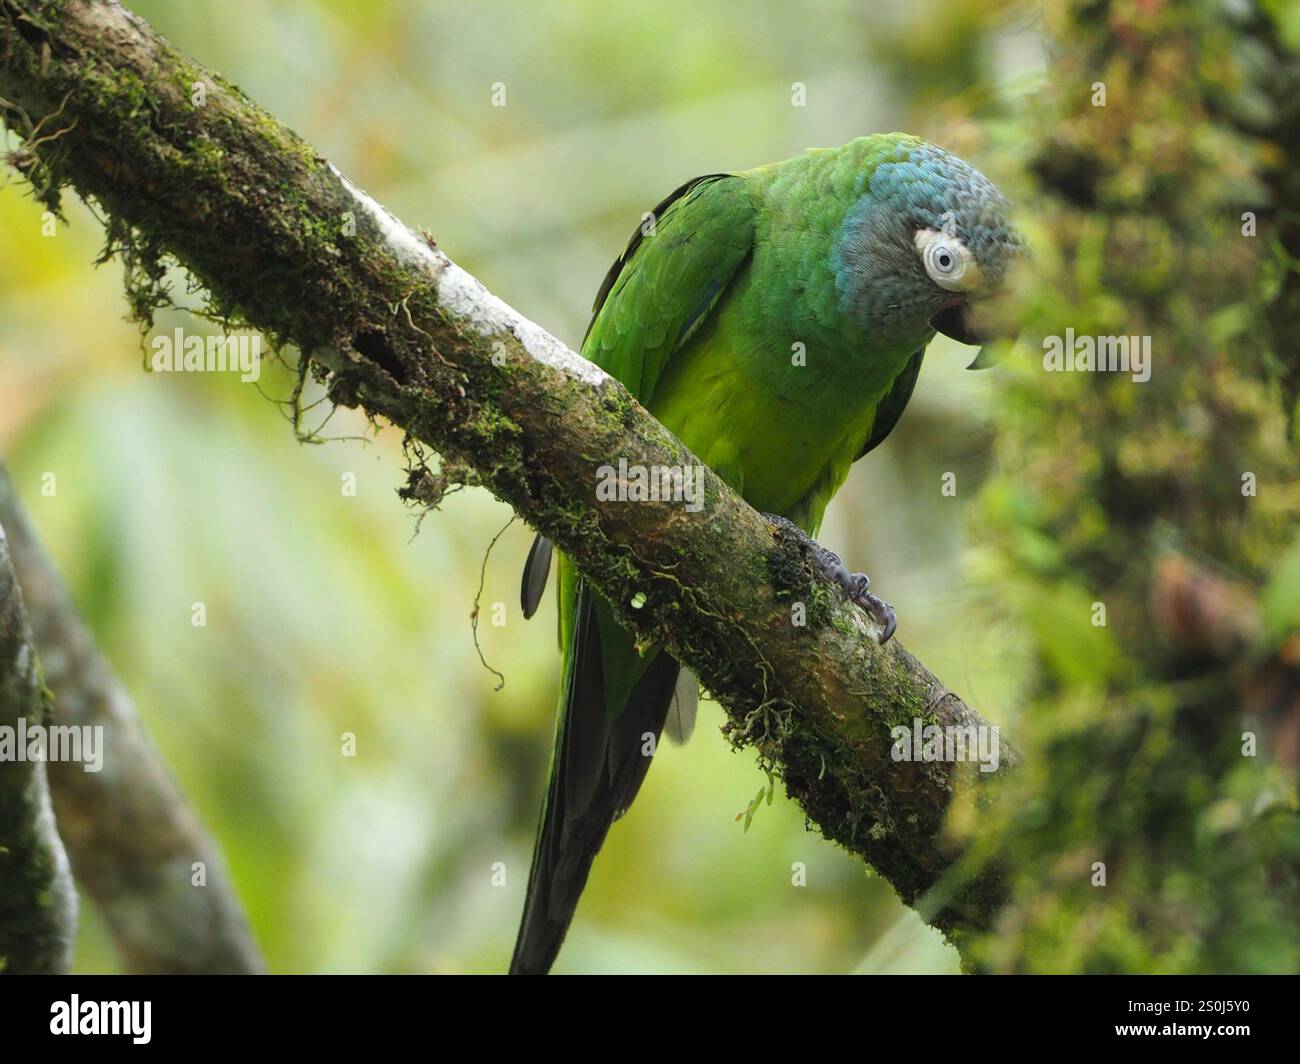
(883,612)
(857,586)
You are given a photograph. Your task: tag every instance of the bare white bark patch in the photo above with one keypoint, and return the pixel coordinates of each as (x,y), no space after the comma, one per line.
(405,244)
(465,297)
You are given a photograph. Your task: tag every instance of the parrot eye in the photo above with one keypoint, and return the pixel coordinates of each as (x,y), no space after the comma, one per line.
(943,260)
(947,260)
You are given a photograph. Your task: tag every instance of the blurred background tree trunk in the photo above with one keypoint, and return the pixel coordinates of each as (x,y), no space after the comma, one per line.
(38,902)
(136,847)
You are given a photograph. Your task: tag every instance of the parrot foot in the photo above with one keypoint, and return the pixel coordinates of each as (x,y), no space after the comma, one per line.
(857,586)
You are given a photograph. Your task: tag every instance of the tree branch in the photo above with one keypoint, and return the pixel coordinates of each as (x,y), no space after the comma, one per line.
(38,903)
(184,164)
(131,835)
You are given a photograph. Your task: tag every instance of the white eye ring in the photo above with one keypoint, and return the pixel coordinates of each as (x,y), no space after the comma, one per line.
(947,260)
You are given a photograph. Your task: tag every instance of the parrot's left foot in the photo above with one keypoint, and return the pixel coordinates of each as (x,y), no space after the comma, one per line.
(857,586)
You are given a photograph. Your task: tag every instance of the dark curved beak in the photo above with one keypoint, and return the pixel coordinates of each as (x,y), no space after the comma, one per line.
(956,322)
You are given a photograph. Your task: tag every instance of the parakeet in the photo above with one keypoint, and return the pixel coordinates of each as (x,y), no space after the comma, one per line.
(774,320)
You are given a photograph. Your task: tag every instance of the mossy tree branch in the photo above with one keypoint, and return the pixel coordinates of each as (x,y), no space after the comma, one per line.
(185,165)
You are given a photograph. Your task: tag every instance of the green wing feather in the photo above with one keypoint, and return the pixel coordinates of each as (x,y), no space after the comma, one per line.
(675,269)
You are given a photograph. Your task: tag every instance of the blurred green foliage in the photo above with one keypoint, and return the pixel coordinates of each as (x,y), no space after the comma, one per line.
(328,613)
(1138,762)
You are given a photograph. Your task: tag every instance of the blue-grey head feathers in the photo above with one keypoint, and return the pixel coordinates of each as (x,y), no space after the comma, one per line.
(928,232)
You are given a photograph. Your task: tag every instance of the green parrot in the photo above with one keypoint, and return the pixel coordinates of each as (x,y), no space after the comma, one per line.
(774,320)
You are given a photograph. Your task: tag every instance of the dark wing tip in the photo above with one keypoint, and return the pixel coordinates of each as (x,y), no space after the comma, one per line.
(536,570)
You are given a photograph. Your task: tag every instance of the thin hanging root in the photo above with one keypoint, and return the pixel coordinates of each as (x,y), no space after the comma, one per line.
(482,579)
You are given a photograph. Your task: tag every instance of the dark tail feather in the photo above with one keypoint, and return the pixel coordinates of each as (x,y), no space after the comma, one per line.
(597,771)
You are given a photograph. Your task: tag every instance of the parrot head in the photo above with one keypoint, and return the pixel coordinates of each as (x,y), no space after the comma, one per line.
(927,240)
